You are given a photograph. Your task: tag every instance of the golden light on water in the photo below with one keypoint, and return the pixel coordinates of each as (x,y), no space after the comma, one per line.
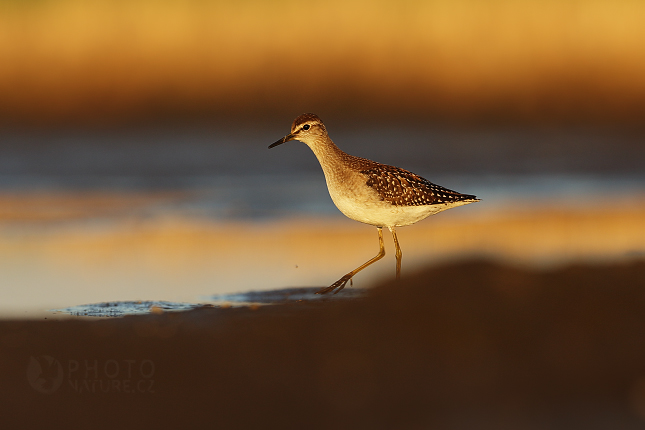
(179,259)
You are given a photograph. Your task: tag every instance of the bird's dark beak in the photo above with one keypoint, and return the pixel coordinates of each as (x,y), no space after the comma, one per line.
(287,138)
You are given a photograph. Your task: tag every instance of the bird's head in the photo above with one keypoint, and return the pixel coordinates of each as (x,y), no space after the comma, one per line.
(307,128)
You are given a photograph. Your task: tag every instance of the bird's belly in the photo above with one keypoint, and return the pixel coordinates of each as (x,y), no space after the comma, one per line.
(380,213)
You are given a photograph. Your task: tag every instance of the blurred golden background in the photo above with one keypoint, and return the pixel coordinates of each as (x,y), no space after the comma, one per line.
(113,62)
(134,133)
(134,167)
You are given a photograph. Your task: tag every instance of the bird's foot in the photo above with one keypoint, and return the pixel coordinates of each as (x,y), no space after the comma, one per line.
(338,285)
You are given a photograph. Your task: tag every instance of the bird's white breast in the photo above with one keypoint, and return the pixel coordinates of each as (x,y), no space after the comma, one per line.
(360,202)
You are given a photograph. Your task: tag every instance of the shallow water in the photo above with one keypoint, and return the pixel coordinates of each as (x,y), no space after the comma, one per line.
(172,215)
(120,309)
(249,298)
(285,295)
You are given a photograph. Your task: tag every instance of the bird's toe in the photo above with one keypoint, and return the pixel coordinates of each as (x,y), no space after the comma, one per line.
(336,286)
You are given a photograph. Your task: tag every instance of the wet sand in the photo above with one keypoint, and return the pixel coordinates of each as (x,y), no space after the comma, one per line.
(469,345)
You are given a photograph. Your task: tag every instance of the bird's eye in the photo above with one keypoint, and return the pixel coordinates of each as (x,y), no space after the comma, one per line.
(305,127)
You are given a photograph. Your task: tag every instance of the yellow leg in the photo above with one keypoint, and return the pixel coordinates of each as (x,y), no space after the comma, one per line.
(340,284)
(398,253)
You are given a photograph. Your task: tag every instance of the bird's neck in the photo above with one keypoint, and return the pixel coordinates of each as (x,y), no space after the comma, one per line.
(328,154)
(336,164)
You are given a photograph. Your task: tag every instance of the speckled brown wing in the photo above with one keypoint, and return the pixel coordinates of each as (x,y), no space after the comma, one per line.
(403,188)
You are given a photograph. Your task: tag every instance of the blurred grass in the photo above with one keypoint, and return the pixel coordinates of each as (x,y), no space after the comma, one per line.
(114,61)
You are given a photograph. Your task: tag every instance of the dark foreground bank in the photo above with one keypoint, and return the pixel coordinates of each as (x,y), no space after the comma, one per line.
(466,346)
